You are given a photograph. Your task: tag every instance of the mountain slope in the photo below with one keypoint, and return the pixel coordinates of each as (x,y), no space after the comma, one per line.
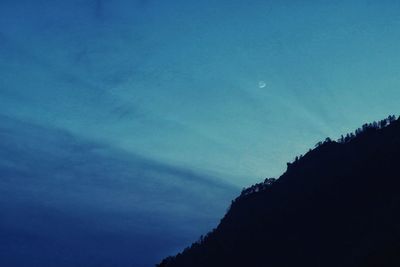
(338,205)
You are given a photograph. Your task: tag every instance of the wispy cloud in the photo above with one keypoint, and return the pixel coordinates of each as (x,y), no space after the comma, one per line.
(51,179)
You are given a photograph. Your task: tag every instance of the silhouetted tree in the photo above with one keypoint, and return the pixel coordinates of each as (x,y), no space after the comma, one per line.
(318,144)
(391,118)
(383,123)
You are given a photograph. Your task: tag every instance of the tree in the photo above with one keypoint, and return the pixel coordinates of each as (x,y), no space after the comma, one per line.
(318,144)
(383,123)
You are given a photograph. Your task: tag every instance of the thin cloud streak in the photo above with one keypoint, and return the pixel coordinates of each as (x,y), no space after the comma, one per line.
(54,180)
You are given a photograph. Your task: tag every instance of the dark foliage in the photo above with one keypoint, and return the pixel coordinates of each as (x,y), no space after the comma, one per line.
(338,205)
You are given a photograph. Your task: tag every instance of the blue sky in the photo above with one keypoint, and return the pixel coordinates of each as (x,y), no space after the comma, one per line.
(67,201)
(155,108)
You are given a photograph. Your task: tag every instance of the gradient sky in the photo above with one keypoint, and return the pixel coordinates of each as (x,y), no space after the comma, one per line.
(122,122)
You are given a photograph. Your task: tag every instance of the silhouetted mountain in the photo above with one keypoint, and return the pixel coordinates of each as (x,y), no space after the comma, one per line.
(338,205)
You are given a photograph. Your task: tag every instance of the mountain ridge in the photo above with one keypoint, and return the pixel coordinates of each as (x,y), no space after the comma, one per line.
(335,206)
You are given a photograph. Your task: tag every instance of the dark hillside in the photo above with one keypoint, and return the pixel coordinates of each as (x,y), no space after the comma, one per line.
(338,205)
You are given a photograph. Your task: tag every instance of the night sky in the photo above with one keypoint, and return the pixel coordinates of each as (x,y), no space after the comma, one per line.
(127,127)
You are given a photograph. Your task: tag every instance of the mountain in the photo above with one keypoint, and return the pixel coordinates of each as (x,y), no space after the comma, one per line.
(338,205)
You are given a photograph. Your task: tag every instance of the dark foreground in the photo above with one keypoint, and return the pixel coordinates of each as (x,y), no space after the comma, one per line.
(338,205)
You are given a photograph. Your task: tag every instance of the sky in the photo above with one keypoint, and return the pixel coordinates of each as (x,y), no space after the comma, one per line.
(127,127)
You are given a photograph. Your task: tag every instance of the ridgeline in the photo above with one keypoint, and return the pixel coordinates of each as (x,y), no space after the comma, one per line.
(338,205)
